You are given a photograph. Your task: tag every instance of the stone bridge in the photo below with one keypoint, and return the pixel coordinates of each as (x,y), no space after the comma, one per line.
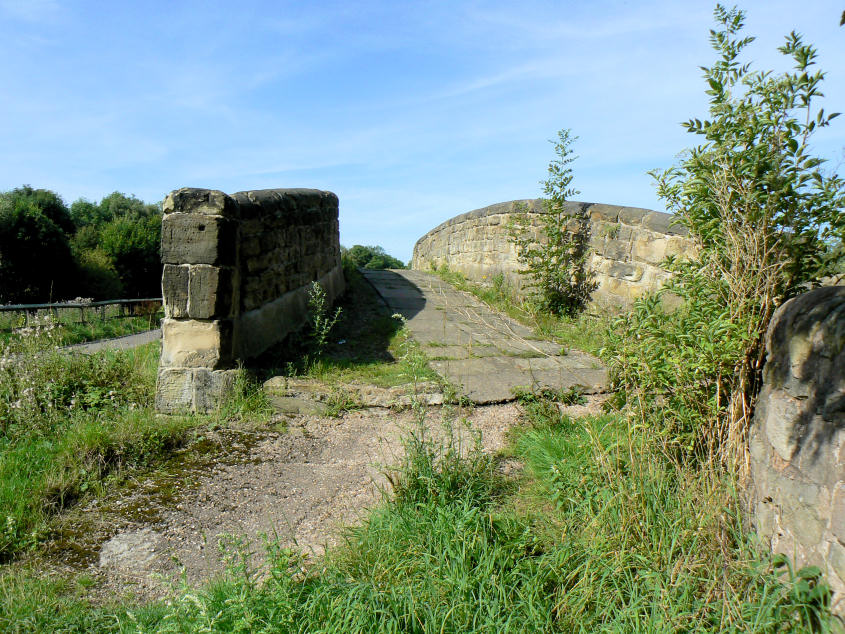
(237,270)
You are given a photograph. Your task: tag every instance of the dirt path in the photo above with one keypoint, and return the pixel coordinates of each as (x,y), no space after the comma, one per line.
(301,484)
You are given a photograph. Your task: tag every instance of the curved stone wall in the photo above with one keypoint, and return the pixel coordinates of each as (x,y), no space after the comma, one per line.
(797,439)
(628,245)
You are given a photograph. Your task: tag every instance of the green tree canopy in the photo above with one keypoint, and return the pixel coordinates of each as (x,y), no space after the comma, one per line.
(48,203)
(372,257)
(133,247)
(35,256)
(126,232)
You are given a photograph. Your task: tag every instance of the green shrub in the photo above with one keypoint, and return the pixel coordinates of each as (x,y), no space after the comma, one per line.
(762,214)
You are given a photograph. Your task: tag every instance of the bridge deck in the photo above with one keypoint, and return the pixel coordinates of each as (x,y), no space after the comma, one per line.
(486,354)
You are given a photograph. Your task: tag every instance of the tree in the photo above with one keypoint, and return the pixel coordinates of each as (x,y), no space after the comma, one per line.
(763,215)
(119,205)
(372,258)
(84,213)
(98,276)
(557,264)
(48,203)
(133,246)
(127,232)
(35,258)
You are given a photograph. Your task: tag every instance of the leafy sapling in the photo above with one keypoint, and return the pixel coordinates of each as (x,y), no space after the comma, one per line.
(320,320)
(557,264)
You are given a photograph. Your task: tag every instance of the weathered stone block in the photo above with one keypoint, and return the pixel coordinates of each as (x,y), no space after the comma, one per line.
(805,476)
(836,556)
(604,213)
(211,387)
(659,223)
(213,292)
(174,289)
(626,271)
(174,390)
(198,239)
(632,215)
(781,415)
(196,344)
(616,250)
(647,248)
(208,202)
(182,390)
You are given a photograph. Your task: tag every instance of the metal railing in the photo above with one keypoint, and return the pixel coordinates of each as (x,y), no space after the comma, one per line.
(65,310)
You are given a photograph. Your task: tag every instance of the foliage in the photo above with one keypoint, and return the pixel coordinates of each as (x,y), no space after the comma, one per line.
(371,258)
(320,320)
(35,256)
(133,246)
(48,252)
(558,263)
(116,205)
(47,202)
(763,215)
(64,419)
(98,275)
(598,535)
(128,232)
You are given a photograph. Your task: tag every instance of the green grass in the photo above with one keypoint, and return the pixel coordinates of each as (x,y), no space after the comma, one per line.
(72,424)
(72,331)
(109,328)
(68,422)
(598,535)
(366,345)
(601,532)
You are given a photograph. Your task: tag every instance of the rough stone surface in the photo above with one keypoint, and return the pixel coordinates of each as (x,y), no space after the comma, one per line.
(628,246)
(797,493)
(237,270)
(483,353)
(293,395)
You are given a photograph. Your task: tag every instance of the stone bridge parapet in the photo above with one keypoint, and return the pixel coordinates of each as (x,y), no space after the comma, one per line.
(628,245)
(237,270)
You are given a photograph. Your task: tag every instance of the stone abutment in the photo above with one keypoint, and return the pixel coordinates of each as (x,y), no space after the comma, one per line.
(237,270)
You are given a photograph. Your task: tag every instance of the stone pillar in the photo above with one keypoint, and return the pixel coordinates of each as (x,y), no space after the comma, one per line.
(797,438)
(200,286)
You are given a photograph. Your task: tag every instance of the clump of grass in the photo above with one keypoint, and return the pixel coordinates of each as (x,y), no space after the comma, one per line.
(642,544)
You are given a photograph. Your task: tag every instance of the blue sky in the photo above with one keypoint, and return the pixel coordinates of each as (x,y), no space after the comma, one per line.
(412,112)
